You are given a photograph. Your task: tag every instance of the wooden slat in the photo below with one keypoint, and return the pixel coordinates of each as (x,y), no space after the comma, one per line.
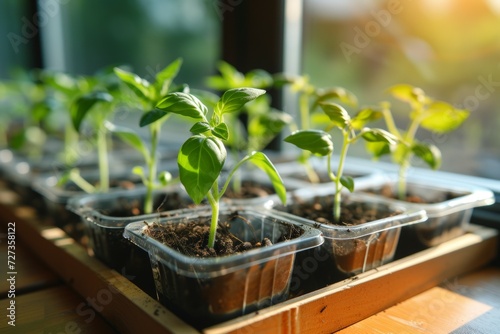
(344,303)
(337,306)
(53,310)
(129,309)
(436,310)
(31,273)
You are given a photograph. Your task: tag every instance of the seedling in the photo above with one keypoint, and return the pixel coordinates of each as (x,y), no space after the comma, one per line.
(97,107)
(202,156)
(319,142)
(310,98)
(263,122)
(148,93)
(25,122)
(435,116)
(66,89)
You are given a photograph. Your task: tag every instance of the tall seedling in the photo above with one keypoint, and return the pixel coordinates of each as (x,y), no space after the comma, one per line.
(310,98)
(319,142)
(202,156)
(435,116)
(148,94)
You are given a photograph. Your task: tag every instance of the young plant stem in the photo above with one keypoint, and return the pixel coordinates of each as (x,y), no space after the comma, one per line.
(407,155)
(305,125)
(70,142)
(103,159)
(81,182)
(148,201)
(214,204)
(340,171)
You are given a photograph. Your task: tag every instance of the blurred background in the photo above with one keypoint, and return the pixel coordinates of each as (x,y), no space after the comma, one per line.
(451,49)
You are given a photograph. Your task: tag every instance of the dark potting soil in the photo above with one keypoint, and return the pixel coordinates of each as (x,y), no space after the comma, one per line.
(191,238)
(132,207)
(354,213)
(249,189)
(388,191)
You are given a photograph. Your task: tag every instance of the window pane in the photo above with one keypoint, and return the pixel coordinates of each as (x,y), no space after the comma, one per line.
(15,51)
(144,34)
(451,49)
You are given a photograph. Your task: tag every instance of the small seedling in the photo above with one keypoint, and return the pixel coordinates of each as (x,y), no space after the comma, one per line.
(319,142)
(202,156)
(148,94)
(310,98)
(435,116)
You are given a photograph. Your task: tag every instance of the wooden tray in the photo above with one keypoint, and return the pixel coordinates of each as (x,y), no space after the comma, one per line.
(130,310)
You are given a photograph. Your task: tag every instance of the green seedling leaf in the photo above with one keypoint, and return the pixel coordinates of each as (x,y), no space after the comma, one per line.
(84,104)
(378,135)
(316,141)
(429,153)
(443,117)
(151,116)
(407,93)
(164,77)
(259,79)
(183,104)
(165,178)
(270,123)
(347,182)
(128,136)
(141,87)
(337,114)
(378,149)
(365,116)
(200,127)
(207,98)
(260,160)
(343,95)
(221,131)
(139,170)
(234,99)
(200,162)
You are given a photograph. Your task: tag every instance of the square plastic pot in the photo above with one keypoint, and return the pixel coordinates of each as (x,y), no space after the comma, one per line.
(364,176)
(354,249)
(104,217)
(205,291)
(448,205)
(56,198)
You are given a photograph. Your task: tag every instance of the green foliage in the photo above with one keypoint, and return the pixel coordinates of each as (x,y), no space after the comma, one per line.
(319,142)
(264,123)
(425,112)
(149,95)
(202,156)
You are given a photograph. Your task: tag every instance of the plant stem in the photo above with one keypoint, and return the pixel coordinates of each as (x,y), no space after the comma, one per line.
(214,203)
(81,182)
(103,159)
(304,111)
(70,142)
(405,162)
(148,201)
(340,171)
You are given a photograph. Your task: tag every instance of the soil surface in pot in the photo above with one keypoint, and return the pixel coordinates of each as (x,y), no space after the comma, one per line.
(191,238)
(133,207)
(388,191)
(356,254)
(249,189)
(354,213)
